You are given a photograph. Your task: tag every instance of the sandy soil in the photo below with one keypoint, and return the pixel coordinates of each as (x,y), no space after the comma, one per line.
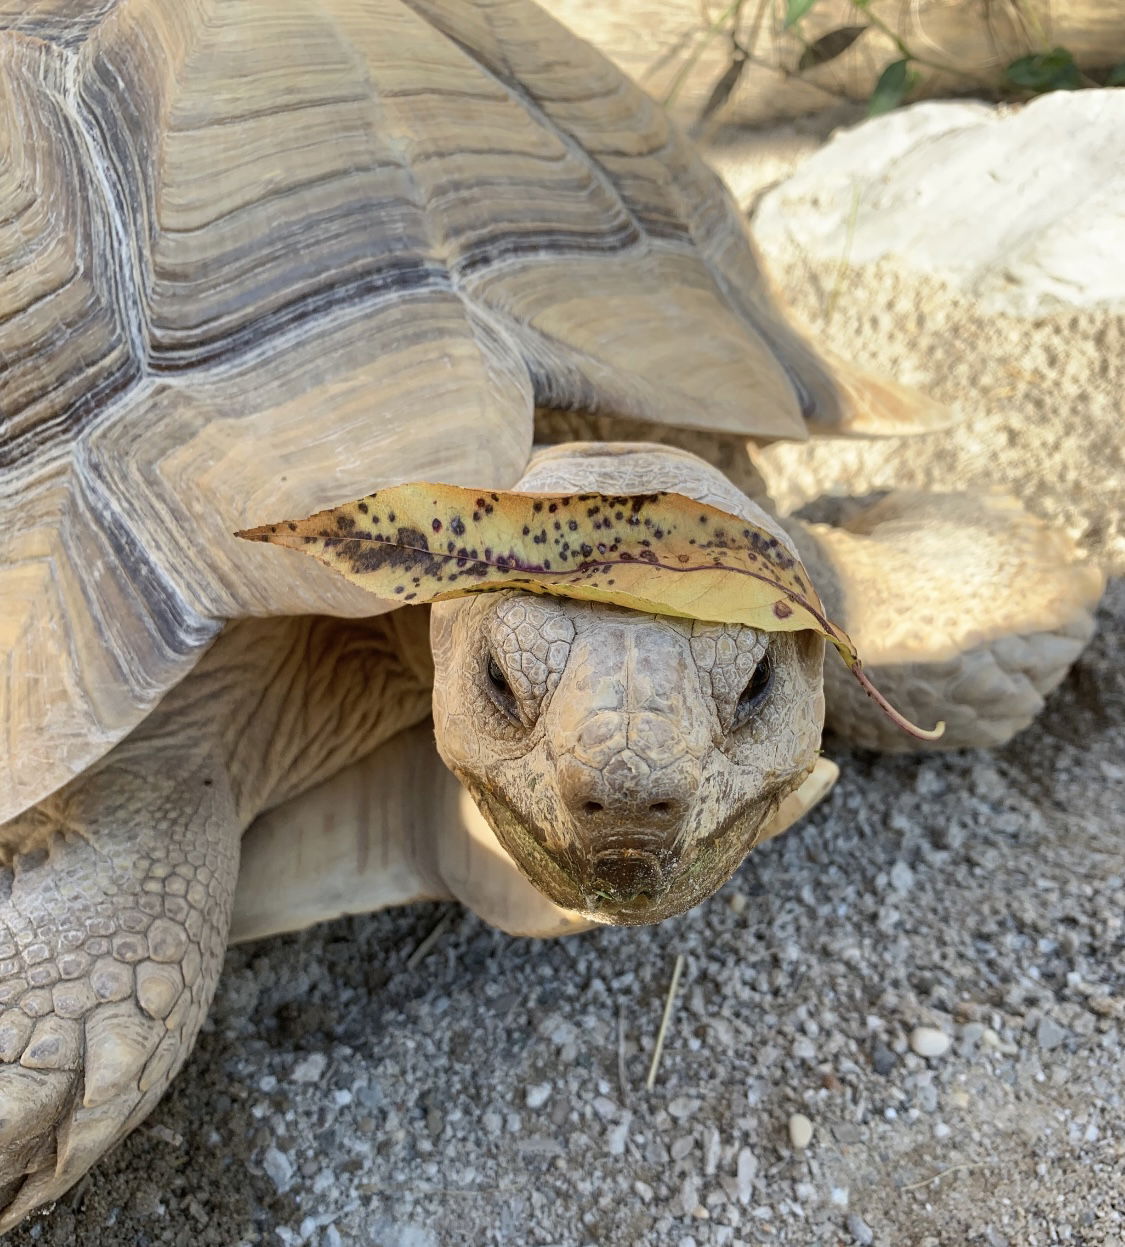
(493,1092)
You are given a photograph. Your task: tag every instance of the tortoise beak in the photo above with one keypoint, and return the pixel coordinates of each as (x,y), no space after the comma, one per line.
(627,881)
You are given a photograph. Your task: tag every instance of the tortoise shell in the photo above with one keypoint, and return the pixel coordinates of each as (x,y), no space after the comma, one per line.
(258,260)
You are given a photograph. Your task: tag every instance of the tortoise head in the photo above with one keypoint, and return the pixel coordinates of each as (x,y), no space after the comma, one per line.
(627,762)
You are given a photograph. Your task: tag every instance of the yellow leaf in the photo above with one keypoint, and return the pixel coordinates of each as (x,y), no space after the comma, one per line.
(661,553)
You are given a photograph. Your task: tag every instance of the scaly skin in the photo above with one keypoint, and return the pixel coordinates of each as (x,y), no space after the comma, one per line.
(964,608)
(618,756)
(116,892)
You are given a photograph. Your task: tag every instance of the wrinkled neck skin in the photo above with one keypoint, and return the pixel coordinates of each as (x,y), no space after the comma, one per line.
(627,762)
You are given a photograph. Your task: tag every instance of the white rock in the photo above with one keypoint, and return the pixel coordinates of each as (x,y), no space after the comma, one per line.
(902,877)
(1049,1034)
(711,1150)
(860,1231)
(538,1094)
(938,186)
(683,1106)
(310,1068)
(619,1135)
(278,1167)
(747,1170)
(929,1041)
(800,1131)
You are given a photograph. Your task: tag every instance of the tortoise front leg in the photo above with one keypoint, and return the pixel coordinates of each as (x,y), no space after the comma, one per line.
(113,924)
(116,892)
(963,608)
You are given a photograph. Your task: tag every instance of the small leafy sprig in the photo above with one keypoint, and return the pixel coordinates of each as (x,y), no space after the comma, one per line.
(1049,69)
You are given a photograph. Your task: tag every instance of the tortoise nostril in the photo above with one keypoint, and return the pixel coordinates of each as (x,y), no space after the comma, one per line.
(592,807)
(660,807)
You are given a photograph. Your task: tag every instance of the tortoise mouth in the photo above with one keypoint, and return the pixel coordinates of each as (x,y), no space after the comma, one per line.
(626,885)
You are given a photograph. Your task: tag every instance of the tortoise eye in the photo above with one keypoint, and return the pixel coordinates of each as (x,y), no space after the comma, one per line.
(754,695)
(496,677)
(501,690)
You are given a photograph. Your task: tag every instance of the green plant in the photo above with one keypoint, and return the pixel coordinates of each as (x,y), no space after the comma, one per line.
(1046,69)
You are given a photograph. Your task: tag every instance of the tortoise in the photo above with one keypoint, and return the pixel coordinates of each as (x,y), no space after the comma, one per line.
(257,263)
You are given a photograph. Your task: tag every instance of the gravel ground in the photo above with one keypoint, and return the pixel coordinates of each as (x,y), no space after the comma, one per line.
(494,1092)
(928,973)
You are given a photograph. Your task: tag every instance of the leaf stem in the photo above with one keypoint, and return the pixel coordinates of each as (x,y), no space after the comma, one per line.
(934,733)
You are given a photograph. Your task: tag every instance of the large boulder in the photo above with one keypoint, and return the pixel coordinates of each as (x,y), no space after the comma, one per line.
(1022,208)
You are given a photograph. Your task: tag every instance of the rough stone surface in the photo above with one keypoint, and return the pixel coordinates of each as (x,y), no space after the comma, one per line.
(1024,208)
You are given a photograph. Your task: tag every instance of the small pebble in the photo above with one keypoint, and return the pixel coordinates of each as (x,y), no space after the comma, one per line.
(711,1150)
(310,1068)
(883,1060)
(619,1136)
(860,1231)
(746,1172)
(538,1094)
(1049,1034)
(278,1167)
(800,1131)
(929,1041)
(902,877)
(683,1106)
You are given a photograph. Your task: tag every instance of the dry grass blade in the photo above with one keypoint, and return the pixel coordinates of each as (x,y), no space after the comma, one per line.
(666,1018)
(935,1177)
(622,1071)
(418,955)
